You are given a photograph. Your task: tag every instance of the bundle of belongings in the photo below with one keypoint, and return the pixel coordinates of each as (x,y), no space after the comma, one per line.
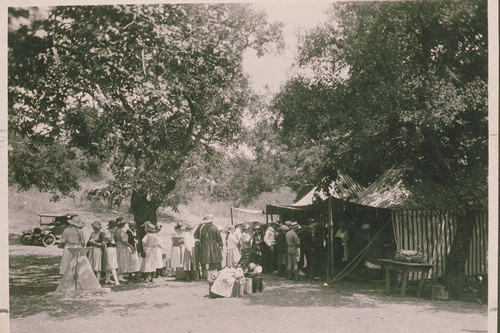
(228,282)
(409,256)
(254,278)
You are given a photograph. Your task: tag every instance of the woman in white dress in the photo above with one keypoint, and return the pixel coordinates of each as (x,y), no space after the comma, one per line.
(110,254)
(123,249)
(150,243)
(189,263)
(71,237)
(96,243)
(223,234)
(233,248)
(177,248)
(160,260)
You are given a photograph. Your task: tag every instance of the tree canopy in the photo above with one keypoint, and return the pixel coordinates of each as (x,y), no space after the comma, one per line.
(138,87)
(396,85)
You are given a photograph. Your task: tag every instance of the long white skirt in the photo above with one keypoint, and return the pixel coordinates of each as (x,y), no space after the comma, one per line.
(233,256)
(149,262)
(187,260)
(176,256)
(95,258)
(111,260)
(123,259)
(134,263)
(66,257)
(160,263)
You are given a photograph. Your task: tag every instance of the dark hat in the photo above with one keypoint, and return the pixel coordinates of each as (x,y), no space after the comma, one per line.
(119,219)
(97,225)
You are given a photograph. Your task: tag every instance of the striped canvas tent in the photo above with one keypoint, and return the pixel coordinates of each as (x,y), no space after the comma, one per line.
(423,219)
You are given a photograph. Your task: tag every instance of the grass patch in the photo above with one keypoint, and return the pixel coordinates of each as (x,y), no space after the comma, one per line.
(31,278)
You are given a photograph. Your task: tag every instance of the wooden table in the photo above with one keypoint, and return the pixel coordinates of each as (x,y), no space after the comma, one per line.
(405,268)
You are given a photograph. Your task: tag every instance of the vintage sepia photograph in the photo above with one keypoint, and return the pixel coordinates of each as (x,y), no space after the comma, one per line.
(199,167)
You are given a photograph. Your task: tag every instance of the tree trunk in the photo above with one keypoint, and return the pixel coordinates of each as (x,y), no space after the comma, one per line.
(143,210)
(459,252)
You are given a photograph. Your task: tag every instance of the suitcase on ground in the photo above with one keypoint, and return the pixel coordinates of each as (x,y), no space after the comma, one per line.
(180,273)
(242,286)
(248,286)
(236,289)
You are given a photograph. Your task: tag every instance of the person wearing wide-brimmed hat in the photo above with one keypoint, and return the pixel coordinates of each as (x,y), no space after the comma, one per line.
(293,251)
(246,237)
(268,253)
(150,243)
(160,254)
(282,249)
(71,237)
(257,244)
(189,260)
(233,248)
(123,249)
(96,243)
(134,262)
(211,244)
(177,249)
(109,256)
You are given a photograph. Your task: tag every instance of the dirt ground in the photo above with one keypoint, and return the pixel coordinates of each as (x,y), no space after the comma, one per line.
(174,306)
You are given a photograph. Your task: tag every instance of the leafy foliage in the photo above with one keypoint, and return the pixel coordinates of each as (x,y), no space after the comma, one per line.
(396,85)
(138,86)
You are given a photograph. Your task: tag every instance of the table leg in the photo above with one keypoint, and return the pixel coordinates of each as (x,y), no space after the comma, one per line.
(405,282)
(421,284)
(387,280)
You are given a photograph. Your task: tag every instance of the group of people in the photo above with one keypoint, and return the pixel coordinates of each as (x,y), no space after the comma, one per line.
(113,250)
(284,249)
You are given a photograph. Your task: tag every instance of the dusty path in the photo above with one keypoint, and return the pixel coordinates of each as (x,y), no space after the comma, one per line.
(172,306)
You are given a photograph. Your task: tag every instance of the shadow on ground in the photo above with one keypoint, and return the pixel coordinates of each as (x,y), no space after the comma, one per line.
(281,292)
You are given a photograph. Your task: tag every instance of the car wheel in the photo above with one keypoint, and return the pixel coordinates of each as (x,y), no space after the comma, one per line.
(25,239)
(48,240)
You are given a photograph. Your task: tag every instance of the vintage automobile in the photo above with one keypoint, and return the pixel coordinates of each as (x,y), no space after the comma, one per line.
(50,230)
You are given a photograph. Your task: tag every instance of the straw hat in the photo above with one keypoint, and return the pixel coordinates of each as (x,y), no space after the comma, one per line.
(96,225)
(121,223)
(207,219)
(150,227)
(76,221)
(294,225)
(284,228)
(288,223)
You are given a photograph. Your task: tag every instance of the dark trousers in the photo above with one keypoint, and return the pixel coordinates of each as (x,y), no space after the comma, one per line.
(282,263)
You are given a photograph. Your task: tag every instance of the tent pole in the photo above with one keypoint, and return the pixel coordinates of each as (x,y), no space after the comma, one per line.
(231,210)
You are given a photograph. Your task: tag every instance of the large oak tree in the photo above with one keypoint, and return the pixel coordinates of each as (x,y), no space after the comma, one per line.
(138,87)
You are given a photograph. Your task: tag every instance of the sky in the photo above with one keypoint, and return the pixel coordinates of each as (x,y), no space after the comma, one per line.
(273,70)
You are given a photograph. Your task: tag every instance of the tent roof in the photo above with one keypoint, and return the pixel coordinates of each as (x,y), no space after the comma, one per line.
(392,192)
(344,187)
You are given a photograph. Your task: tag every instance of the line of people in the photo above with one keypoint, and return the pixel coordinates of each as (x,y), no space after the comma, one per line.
(285,249)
